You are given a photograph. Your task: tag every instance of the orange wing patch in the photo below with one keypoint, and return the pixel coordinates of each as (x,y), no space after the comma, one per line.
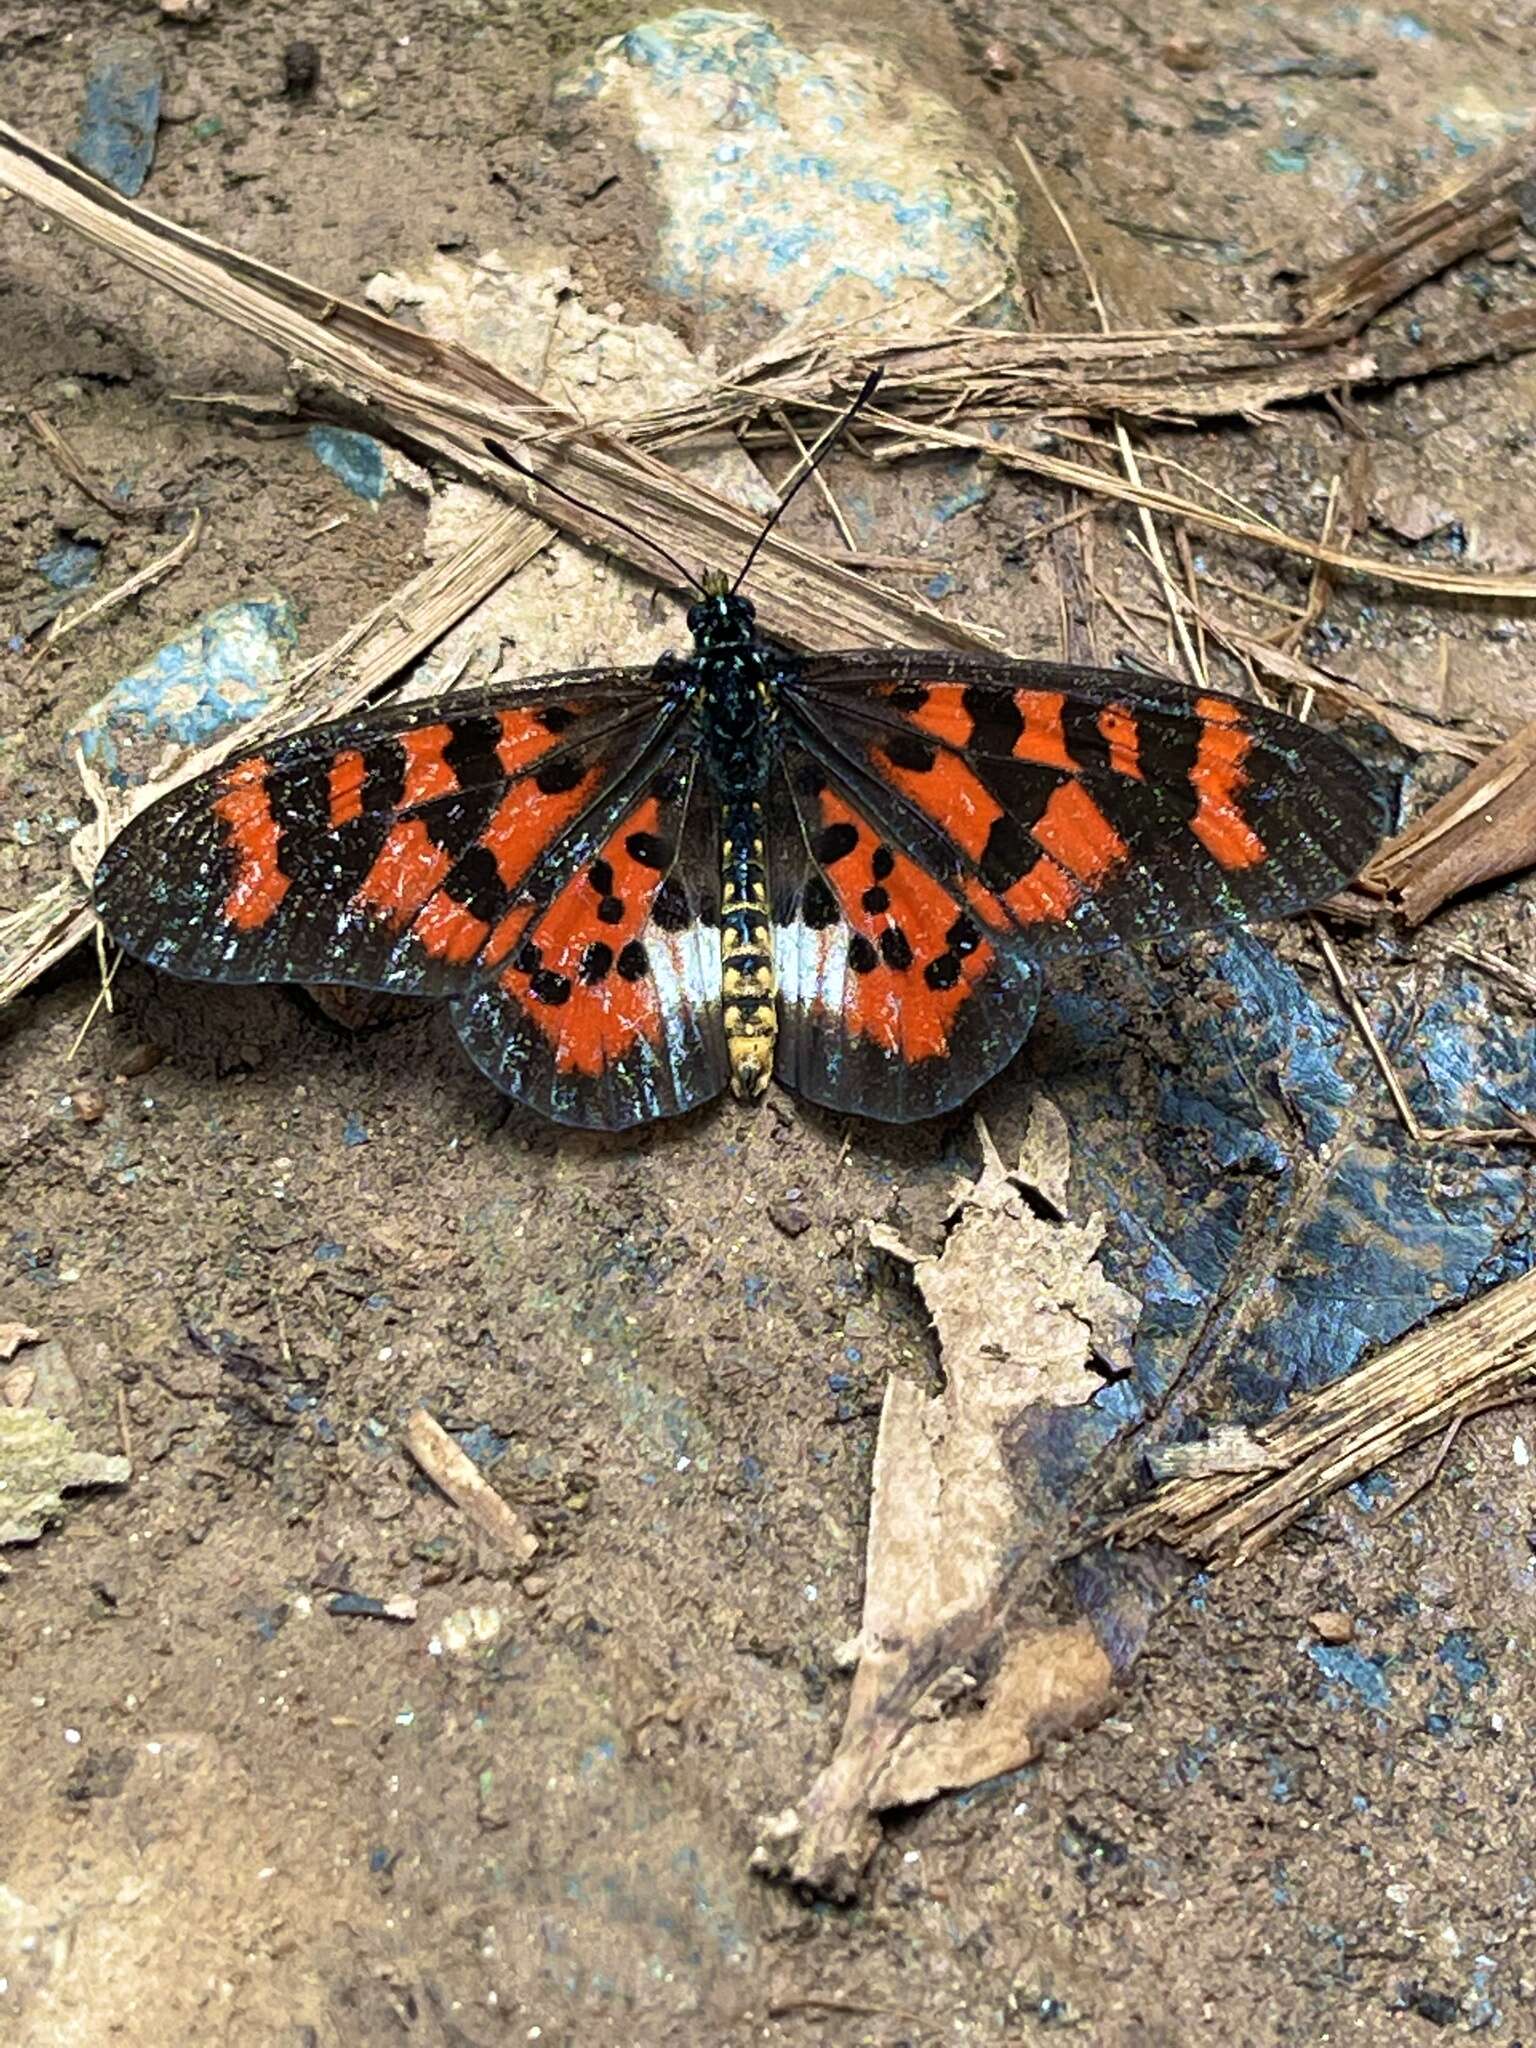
(1043,740)
(427,774)
(1075,832)
(245,806)
(913,957)
(407,868)
(449,931)
(529,819)
(1120,732)
(349,771)
(952,795)
(1218,779)
(582,973)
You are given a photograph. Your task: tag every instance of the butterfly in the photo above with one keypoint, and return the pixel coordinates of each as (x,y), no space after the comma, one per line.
(640,886)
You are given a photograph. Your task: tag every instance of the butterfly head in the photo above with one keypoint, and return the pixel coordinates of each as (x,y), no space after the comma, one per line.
(721,620)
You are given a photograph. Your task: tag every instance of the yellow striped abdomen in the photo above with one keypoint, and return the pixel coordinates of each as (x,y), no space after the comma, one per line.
(749,984)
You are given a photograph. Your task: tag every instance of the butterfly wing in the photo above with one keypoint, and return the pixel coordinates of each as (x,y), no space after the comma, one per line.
(607,1009)
(1020,810)
(378,852)
(533,854)
(1086,808)
(894,1002)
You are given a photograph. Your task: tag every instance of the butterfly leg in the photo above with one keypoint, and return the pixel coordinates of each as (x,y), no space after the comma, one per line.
(748,981)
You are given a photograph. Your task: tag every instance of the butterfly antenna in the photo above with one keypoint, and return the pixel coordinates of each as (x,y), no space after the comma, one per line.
(504,454)
(812,463)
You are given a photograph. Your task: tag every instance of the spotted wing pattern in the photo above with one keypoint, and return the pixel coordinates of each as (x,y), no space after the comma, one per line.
(1085,808)
(894,1000)
(960,819)
(607,1009)
(373,852)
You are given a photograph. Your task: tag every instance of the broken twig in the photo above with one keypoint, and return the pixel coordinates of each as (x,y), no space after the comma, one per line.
(453,1472)
(1477,1357)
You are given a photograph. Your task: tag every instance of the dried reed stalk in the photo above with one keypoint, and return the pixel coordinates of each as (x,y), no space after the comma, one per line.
(1474,211)
(1481,830)
(1477,1357)
(445,397)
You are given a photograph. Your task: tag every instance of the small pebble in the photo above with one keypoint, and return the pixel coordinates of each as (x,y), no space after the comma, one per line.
(793,1222)
(536,1585)
(89,1104)
(1188,54)
(140,1059)
(1332,1625)
(301,70)
(186,10)
(363,1607)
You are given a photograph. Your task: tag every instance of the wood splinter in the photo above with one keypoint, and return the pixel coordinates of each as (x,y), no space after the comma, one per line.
(454,1473)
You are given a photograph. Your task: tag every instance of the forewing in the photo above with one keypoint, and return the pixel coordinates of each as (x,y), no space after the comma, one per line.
(377,852)
(606,1011)
(894,1001)
(1083,808)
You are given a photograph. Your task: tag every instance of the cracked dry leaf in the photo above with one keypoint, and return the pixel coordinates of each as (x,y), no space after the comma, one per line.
(1019,1303)
(963,1669)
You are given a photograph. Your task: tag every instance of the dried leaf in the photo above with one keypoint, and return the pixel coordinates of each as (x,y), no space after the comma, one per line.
(958,1544)
(39,1464)
(1018,1302)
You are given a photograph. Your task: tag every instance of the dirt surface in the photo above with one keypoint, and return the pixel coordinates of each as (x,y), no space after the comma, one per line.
(252,1243)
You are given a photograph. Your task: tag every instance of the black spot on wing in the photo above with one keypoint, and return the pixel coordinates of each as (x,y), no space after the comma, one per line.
(1008,854)
(558,778)
(895,950)
(546,987)
(818,906)
(910,751)
(835,842)
(650,850)
(996,723)
(670,910)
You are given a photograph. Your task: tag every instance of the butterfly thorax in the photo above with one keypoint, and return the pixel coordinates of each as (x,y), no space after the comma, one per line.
(736,681)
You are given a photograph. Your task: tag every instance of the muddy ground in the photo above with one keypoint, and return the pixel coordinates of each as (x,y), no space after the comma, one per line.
(232,1816)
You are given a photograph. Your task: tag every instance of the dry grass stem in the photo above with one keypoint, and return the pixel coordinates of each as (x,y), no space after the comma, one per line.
(71,466)
(442,396)
(1456,1134)
(152,572)
(1477,1357)
(1483,829)
(1473,211)
(1409,575)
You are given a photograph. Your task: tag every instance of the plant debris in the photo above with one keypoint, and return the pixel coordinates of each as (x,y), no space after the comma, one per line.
(1429,1382)
(1483,829)
(962,1669)
(40,1462)
(455,1473)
